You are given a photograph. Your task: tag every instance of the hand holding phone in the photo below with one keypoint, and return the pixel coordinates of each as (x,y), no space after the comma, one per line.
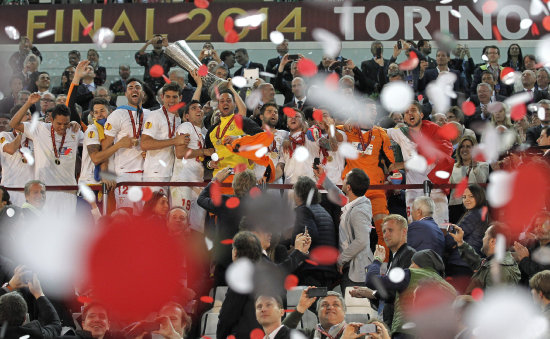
(317,292)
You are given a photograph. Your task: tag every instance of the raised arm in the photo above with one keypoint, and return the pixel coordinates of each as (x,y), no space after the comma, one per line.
(238,100)
(98,155)
(198,81)
(15,121)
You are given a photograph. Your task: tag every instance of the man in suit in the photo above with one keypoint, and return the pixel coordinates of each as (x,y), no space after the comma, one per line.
(528,80)
(273,64)
(269,311)
(375,69)
(534,133)
(481,101)
(241,56)
(428,75)
(299,101)
(85,91)
(542,80)
(425,47)
(228,60)
(423,232)
(119,87)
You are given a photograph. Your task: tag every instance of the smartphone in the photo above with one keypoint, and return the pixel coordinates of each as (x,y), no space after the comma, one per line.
(317,292)
(293,57)
(231,171)
(399,44)
(316,163)
(207,52)
(451,229)
(368,328)
(305,231)
(379,52)
(27,277)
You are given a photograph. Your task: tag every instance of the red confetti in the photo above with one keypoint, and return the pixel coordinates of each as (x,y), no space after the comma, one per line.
(215,193)
(410,63)
(147,193)
(489,7)
(331,81)
(420,97)
(286,311)
(164,257)
(156,71)
(239,168)
(535,29)
(257,334)
(239,121)
(324,255)
(496,32)
(176,107)
(166,79)
(321,179)
(468,108)
(202,3)
(311,262)
(232,202)
(88,29)
(546,22)
(518,112)
(206,337)
(484,211)
(231,336)
(255,192)
(231,36)
(289,112)
(343,200)
(318,115)
(228,24)
(203,70)
(461,187)
(477,294)
(226,242)
(217,91)
(291,281)
(67,151)
(207,299)
(306,67)
(84,299)
(448,131)
(505,71)
(480,157)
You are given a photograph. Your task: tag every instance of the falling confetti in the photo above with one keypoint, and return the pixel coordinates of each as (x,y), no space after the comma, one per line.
(518,112)
(291,281)
(44,34)
(257,334)
(324,255)
(231,36)
(461,187)
(176,107)
(253,19)
(239,121)
(289,112)
(239,276)
(307,67)
(202,3)
(416,164)
(469,108)
(238,81)
(411,63)
(156,71)
(496,32)
(27,153)
(215,193)
(226,242)
(88,28)
(177,18)
(207,299)
(276,37)
(442,174)
(318,115)
(499,188)
(347,150)
(202,71)
(87,193)
(393,90)
(228,24)
(10,212)
(261,152)
(12,32)
(525,23)
(455,13)
(301,154)
(135,194)
(232,202)
(546,23)
(489,6)
(448,131)
(477,294)
(396,275)
(147,193)
(330,42)
(103,37)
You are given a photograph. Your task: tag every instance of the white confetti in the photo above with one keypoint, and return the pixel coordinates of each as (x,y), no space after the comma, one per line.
(455,13)
(443,2)
(12,32)
(26,336)
(500,248)
(500,188)
(542,51)
(34,121)
(215,157)
(267,74)
(209,243)
(27,154)
(252,20)
(162,163)
(310,197)
(103,37)
(416,164)
(541,255)
(510,78)
(261,152)
(541,113)
(301,154)
(347,150)
(525,23)
(396,275)
(346,20)
(295,334)
(183,161)
(253,100)
(276,37)
(408,326)
(10,212)
(442,174)
(536,8)
(396,96)
(330,42)
(87,193)
(239,276)
(332,130)
(516,99)
(135,194)
(484,58)
(177,18)
(239,81)
(1,95)
(44,34)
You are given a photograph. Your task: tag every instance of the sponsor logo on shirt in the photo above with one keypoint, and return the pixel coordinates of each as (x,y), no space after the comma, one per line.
(108,126)
(148,124)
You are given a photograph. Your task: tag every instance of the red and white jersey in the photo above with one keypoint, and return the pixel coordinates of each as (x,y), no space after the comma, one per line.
(275,152)
(295,168)
(190,169)
(159,162)
(16,171)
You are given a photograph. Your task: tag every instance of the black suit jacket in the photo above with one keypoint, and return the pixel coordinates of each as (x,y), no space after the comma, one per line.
(432,74)
(284,333)
(537,96)
(47,326)
(240,71)
(272,67)
(533,133)
(237,316)
(375,74)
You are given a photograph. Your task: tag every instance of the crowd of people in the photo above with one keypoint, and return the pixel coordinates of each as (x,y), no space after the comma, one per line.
(171,127)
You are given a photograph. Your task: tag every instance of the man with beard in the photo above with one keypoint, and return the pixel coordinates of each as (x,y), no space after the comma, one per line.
(156,57)
(269,115)
(421,136)
(127,121)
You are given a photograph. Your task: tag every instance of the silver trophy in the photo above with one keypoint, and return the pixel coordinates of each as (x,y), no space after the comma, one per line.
(182,55)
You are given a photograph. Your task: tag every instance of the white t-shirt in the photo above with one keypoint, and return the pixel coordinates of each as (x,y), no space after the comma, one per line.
(335,167)
(91,137)
(119,125)
(275,153)
(45,168)
(15,172)
(191,169)
(408,149)
(294,168)
(159,163)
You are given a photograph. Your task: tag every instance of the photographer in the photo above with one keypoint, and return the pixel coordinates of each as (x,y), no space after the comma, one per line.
(171,323)
(156,57)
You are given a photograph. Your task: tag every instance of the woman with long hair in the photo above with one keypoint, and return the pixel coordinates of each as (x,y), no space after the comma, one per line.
(515,58)
(156,209)
(475,220)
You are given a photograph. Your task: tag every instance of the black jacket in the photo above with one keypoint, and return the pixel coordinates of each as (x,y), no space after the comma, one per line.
(47,326)
(237,316)
(252,65)
(533,133)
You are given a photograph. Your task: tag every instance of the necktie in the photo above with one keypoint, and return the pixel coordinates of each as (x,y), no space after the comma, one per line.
(300,103)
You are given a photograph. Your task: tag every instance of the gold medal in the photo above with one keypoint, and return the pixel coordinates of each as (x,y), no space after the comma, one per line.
(143,154)
(329,158)
(24,160)
(57,162)
(273,155)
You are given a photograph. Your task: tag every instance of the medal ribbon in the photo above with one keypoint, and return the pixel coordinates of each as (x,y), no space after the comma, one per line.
(201,141)
(26,142)
(363,146)
(296,141)
(138,134)
(172,130)
(55,151)
(325,333)
(220,137)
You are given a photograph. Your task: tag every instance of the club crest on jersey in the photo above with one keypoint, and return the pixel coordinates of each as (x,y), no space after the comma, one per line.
(148,124)
(91,134)
(2,140)
(108,126)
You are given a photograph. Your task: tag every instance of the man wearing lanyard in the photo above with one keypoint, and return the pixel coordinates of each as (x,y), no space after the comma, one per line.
(127,121)
(231,126)
(374,149)
(16,170)
(159,137)
(56,146)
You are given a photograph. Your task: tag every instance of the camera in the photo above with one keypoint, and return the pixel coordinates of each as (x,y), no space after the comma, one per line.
(368,328)
(317,292)
(316,163)
(399,44)
(293,57)
(451,229)
(378,52)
